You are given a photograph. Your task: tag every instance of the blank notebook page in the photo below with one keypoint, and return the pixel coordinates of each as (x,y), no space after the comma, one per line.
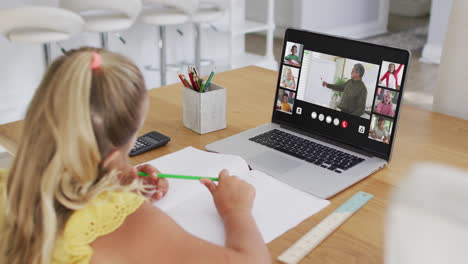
(278,207)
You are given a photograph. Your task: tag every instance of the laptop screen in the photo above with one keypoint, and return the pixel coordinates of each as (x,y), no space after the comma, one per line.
(341,89)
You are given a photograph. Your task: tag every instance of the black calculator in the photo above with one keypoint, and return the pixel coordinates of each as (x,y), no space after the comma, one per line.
(147,142)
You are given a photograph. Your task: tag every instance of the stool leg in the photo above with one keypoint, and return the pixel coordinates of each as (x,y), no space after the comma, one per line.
(162,54)
(104,40)
(197,46)
(47,54)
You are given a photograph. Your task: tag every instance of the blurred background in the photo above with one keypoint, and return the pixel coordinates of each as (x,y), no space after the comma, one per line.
(243,33)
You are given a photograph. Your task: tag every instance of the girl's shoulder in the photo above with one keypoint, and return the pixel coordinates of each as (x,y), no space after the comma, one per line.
(103,215)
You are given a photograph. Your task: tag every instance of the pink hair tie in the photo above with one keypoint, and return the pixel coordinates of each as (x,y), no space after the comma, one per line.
(97,61)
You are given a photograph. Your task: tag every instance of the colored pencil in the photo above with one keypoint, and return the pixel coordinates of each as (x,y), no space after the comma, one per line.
(174,176)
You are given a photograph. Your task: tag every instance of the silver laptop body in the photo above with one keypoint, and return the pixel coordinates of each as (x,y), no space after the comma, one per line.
(296,172)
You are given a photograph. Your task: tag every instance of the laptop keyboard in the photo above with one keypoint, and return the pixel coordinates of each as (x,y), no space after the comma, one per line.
(307,150)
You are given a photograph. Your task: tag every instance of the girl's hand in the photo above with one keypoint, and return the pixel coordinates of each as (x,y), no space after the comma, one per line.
(159,185)
(231,195)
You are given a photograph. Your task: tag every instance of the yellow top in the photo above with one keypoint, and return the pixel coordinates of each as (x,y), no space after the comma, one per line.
(285,107)
(101,216)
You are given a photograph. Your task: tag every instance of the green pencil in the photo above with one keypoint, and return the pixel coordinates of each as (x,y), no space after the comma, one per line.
(207,83)
(172,176)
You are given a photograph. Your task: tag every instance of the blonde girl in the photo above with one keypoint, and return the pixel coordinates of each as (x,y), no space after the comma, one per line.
(289,81)
(71,196)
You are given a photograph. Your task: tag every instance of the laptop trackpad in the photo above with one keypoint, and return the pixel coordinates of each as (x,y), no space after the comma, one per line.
(274,162)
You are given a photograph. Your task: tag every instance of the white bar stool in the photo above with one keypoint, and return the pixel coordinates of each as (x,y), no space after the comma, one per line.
(39,24)
(208,11)
(105,16)
(163,13)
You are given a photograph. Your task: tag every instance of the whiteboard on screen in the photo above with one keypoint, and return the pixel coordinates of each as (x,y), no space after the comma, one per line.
(319,70)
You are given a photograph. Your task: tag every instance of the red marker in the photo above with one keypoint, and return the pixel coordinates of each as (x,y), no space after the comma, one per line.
(194,85)
(183,80)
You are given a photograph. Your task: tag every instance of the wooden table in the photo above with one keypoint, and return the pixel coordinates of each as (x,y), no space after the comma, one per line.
(422,136)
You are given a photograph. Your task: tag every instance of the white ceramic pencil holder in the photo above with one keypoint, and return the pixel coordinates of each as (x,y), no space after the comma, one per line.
(205,112)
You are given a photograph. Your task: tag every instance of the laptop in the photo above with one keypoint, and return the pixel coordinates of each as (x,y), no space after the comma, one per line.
(334,117)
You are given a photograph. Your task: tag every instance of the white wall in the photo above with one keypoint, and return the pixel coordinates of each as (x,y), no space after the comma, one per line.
(354,19)
(337,13)
(286,14)
(451,92)
(440,12)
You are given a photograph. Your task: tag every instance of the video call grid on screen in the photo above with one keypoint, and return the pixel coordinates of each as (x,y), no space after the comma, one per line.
(374,58)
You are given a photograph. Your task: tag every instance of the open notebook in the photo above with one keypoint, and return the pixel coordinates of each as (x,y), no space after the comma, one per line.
(277,207)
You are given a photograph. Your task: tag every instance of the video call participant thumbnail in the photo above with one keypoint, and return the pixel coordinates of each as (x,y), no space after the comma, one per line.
(289,77)
(391,77)
(285,101)
(387,104)
(353,99)
(293,52)
(380,129)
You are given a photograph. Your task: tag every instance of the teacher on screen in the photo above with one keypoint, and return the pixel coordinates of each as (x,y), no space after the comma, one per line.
(353,99)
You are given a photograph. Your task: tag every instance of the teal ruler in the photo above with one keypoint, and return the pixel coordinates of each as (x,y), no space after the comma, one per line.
(320,232)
